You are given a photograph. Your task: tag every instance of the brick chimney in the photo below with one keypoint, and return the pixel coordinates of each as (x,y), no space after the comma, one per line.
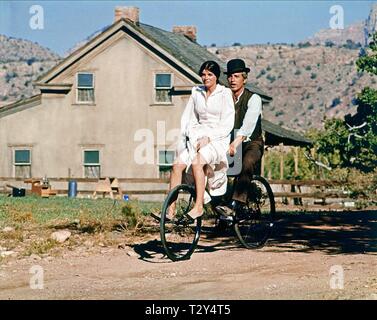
(188,31)
(130,13)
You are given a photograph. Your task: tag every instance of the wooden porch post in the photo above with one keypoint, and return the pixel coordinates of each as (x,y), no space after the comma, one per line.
(296,160)
(281,162)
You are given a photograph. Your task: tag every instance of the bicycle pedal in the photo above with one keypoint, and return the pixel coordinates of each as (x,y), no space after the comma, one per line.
(226,218)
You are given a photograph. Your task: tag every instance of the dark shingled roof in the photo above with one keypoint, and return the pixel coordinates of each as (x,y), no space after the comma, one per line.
(189,52)
(275,134)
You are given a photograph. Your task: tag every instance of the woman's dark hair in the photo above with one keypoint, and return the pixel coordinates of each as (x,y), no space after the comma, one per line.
(211,66)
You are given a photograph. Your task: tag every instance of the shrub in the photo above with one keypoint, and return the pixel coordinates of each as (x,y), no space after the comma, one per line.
(329,44)
(30,61)
(263,72)
(271,78)
(335,102)
(304,45)
(133,217)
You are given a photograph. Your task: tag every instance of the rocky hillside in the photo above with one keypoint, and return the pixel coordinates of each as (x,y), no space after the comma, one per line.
(22,62)
(306,83)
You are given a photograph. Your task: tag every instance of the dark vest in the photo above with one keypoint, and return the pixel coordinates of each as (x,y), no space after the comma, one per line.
(240,109)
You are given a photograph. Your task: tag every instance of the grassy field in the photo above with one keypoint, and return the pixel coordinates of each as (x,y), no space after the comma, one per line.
(32,209)
(31,220)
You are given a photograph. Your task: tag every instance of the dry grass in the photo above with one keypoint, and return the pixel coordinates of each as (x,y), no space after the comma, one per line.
(40,247)
(34,219)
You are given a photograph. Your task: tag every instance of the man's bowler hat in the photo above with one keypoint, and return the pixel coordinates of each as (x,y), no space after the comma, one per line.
(236,65)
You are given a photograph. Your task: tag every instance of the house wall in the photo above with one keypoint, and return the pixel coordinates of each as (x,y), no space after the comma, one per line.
(59,129)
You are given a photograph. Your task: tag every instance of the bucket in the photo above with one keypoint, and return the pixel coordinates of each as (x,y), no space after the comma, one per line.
(18,192)
(72,189)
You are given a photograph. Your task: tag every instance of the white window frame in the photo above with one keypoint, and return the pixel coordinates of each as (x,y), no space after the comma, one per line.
(162,88)
(15,164)
(91,164)
(77,88)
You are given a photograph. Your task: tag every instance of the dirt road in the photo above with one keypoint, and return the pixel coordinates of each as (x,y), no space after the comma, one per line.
(305,260)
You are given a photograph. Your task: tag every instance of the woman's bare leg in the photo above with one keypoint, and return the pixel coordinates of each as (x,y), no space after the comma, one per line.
(175,180)
(199,176)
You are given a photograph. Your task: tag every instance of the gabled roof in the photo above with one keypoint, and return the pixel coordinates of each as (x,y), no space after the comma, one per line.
(191,53)
(181,52)
(20,105)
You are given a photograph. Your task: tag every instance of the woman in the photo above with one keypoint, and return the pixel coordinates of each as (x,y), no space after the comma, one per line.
(206,124)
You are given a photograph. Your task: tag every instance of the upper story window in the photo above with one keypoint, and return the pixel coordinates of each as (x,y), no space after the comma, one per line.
(85,87)
(22,163)
(163,85)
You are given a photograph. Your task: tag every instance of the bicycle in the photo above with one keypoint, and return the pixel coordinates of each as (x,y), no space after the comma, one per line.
(252,223)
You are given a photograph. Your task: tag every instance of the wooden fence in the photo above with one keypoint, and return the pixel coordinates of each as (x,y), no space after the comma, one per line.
(285,191)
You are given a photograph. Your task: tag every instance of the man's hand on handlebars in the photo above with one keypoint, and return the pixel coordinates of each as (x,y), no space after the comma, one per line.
(234,145)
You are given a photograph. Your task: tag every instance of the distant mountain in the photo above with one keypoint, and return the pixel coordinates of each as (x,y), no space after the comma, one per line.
(22,62)
(307,83)
(13,49)
(356,33)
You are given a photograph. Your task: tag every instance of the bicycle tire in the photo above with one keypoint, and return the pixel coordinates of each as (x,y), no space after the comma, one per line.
(179,241)
(254,223)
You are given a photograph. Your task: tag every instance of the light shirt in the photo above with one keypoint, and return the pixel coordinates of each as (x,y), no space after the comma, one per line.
(254,110)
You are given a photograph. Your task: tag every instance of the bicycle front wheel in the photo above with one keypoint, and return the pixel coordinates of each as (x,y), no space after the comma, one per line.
(179,240)
(254,221)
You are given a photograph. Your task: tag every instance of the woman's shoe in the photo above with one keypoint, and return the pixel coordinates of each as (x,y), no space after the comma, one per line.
(158,217)
(185,220)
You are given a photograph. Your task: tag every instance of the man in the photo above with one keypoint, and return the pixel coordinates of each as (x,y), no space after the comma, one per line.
(247,131)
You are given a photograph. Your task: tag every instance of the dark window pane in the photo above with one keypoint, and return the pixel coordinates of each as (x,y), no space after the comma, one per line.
(85,80)
(166,157)
(91,157)
(169,155)
(22,156)
(163,80)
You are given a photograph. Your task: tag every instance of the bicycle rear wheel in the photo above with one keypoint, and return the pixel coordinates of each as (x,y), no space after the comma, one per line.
(179,240)
(254,222)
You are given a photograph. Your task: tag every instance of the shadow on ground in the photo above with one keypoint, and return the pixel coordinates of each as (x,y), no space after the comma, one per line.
(332,233)
(329,232)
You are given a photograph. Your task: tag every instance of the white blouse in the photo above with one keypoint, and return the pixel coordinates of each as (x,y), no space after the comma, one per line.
(211,117)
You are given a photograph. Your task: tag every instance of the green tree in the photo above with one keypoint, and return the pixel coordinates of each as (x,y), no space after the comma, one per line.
(352,142)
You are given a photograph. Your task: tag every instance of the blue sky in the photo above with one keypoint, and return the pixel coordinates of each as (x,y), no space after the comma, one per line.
(220,22)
